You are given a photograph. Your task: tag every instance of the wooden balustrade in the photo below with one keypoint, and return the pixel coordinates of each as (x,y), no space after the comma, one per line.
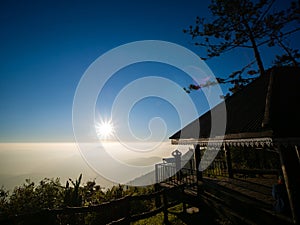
(118,209)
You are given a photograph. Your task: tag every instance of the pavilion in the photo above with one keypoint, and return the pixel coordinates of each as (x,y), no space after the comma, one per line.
(262,115)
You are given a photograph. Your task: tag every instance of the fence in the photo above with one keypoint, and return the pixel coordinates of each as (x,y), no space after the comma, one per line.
(114,212)
(166,172)
(217,168)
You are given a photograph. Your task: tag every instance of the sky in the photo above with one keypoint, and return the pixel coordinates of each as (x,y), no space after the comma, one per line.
(47,46)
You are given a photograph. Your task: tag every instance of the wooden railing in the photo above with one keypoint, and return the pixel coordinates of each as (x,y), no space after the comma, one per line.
(166,172)
(217,168)
(114,212)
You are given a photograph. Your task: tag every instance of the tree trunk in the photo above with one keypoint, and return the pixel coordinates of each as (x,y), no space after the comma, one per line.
(255,49)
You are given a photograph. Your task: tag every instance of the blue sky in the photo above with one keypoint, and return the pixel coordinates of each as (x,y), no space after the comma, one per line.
(46,46)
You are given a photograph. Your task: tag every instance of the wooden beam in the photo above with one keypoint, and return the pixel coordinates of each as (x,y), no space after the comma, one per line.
(290,169)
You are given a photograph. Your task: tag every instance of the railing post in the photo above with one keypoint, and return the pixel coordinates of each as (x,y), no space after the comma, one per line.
(165,207)
(158,197)
(228,161)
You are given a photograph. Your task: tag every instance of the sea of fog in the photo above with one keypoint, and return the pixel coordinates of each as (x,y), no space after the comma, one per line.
(20,161)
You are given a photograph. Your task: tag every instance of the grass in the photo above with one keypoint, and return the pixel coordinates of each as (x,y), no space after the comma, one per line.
(159,218)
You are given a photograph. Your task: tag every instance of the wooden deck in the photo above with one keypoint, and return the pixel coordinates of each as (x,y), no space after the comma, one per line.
(241,200)
(258,189)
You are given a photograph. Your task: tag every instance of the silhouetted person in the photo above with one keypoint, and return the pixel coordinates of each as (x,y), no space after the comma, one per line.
(177,157)
(279,194)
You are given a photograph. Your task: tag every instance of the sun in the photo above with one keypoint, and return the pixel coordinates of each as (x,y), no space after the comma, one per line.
(104,129)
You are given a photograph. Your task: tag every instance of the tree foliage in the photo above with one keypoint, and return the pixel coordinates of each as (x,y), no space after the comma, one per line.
(33,197)
(72,195)
(30,197)
(246,24)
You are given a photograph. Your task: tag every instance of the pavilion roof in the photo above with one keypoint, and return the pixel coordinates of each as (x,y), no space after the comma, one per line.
(266,109)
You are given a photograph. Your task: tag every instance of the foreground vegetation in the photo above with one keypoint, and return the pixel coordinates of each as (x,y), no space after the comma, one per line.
(51,194)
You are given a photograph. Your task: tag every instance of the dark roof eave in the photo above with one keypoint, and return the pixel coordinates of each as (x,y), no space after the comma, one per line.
(249,142)
(261,134)
(251,138)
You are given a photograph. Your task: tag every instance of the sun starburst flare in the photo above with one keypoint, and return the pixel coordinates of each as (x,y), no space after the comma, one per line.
(104,129)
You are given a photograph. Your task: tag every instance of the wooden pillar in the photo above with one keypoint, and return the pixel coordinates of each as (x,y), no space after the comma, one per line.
(228,161)
(165,207)
(199,173)
(197,162)
(297,148)
(290,169)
